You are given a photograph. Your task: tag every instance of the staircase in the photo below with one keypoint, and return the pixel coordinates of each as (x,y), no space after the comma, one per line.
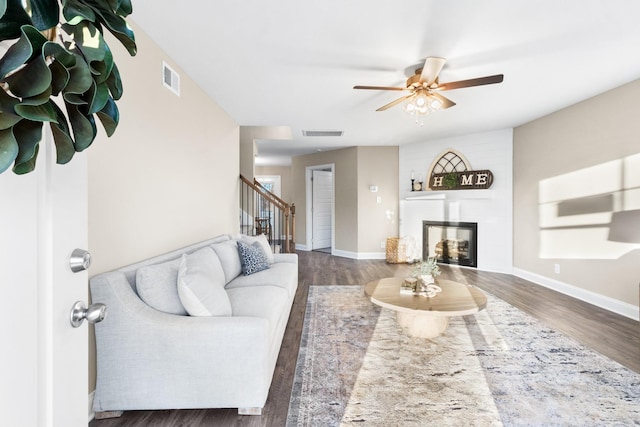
(262,212)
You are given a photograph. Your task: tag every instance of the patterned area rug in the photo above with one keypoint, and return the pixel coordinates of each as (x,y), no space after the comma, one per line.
(498,367)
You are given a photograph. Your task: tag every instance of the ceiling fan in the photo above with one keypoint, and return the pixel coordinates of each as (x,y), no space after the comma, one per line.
(424,88)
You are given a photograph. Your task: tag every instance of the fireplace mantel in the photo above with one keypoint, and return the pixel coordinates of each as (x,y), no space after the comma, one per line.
(449,195)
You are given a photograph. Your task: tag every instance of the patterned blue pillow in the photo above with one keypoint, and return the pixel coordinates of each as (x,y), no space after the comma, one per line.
(252,258)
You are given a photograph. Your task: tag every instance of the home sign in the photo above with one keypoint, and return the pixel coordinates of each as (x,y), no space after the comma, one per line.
(466,180)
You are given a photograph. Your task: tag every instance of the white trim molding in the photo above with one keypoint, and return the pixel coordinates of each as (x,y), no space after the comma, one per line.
(302,247)
(602,301)
(92,414)
(359,255)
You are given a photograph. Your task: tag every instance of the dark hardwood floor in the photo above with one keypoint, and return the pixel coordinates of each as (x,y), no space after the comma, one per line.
(614,336)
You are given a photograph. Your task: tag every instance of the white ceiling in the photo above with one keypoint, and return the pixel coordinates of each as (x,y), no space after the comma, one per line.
(294,62)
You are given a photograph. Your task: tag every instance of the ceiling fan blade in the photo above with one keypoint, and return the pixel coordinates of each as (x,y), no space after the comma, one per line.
(431,69)
(394,103)
(446,102)
(380,87)
(471,82)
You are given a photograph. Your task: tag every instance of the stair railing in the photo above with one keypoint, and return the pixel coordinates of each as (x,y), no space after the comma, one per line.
(262,212)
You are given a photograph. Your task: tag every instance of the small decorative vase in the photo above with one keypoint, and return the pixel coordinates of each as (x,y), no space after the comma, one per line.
(427,278)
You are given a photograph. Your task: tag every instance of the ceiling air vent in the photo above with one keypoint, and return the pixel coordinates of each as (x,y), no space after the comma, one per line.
(322,132)
(170,79)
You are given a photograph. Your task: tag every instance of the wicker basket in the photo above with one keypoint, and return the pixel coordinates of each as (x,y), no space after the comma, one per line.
(396,250)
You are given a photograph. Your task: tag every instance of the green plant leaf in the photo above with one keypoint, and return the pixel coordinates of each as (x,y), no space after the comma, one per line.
(93,48)
(61,54)
(98,96)
(62,137)
(125,8)
(44,13)
(39,99)
(8,116)
(117,26)
(75,11)
(80,78)
(37,113)
(28,165)
(31,80)
(109,116)
(115,83)
(104,67)
(24,50)
(59,77)
(8,149)
(84,127)
(28,135)
(59,67)
(13,17)
(3,7)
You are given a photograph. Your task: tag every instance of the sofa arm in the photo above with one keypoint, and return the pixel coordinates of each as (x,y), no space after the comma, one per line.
(148,359)
(285,257)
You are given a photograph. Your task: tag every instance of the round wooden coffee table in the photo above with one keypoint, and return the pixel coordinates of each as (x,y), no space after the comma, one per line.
(421,316)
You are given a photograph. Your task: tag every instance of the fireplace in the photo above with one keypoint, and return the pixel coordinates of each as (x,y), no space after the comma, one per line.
(450,242)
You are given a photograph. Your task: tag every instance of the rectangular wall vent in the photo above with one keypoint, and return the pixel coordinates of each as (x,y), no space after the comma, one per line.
(322,132)
(170,79)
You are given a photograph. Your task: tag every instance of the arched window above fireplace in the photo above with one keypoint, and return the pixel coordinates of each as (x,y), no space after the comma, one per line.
(449,160)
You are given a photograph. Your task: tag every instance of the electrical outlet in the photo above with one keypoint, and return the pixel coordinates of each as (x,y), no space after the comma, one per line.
(556,268)
(383,244)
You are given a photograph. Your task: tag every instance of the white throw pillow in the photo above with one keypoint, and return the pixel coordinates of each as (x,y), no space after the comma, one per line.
(264,244)
(201,284)
(157,287)
(228,254)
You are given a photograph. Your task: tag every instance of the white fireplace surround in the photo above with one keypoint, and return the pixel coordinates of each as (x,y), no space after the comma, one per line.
(491,208)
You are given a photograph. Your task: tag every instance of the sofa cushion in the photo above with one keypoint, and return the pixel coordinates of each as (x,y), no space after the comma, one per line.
(267,302)
(264,244)
(201,284)
(281,274)
(228,254)
(252,258)
(157,286)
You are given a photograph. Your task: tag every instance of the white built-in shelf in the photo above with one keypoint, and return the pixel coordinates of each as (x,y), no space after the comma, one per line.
(449,195)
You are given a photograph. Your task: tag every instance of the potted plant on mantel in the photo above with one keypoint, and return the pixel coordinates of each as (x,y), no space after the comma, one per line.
(52,56)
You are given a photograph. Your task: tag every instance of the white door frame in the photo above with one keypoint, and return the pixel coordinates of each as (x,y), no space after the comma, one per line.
(309,204)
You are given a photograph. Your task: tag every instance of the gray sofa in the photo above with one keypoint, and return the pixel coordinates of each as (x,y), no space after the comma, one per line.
(151,354)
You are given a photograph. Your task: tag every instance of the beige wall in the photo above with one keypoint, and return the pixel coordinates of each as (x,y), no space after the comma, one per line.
(346,195)
(376,221)
(169,175)
(564,151)
(361,224)
(284,172)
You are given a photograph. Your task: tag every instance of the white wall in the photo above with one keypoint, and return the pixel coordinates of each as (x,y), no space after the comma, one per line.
(491,209)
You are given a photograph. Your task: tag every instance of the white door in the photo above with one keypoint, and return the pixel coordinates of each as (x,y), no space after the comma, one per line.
(44,360)
(322,189)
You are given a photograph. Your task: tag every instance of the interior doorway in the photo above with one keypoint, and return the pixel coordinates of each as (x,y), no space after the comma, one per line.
(320,208)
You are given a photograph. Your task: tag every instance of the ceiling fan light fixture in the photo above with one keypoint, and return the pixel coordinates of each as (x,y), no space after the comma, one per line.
(422,103)
(434,103)
(409,107)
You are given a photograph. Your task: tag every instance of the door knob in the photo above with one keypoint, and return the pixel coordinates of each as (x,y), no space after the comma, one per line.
(80,260)
(94,313)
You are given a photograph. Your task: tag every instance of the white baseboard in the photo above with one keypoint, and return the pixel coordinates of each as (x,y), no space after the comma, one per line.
(301,247)
(92,414)
(602,301)
(345,254)
(359,255)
